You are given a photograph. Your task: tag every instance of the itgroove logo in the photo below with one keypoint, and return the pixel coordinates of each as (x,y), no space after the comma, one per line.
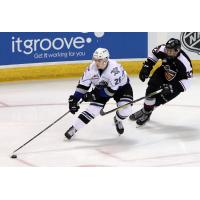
(29,46)
(46,47)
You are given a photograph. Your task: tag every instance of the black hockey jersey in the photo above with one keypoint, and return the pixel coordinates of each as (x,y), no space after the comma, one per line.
(178,69)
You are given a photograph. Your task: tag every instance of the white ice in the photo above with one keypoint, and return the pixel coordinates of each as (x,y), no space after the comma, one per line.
(171,138)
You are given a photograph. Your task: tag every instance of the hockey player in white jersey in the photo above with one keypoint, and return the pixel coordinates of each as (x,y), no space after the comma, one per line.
(109,80)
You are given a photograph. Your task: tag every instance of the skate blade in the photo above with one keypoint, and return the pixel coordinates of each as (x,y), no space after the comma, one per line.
(66,140)
(139,126)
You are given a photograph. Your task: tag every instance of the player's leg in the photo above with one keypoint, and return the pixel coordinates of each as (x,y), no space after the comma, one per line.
(162,99)
(155,82)
(123,96)
(149,106)
(150,103)
(85,117)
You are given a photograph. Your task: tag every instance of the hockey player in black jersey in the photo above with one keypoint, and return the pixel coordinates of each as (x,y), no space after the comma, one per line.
(109,81)
(173,76)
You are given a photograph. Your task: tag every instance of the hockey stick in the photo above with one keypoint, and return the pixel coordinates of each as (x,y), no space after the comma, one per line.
(120,107)
(14,156)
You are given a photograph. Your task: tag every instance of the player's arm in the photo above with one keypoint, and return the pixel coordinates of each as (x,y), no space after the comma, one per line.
(99,93)
(83,85)
(81,89)
(150,62)
(186,76)
(105,90)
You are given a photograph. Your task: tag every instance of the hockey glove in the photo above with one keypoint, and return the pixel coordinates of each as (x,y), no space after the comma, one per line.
(73,104)
(89,96)
(167,89)
(144,72)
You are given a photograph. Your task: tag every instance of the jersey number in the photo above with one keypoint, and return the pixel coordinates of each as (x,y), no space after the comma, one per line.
(117,81)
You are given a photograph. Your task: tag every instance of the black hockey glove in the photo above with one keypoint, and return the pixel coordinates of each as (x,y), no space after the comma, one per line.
(144,72)
(73,104)
(167,89)
(89,96)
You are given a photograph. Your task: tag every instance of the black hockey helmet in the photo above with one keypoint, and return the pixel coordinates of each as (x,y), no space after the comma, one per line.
(173,44)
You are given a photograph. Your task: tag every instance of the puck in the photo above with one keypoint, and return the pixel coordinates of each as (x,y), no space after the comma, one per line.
(14,156)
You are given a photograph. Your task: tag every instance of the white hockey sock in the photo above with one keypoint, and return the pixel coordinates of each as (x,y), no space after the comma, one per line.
(78,124)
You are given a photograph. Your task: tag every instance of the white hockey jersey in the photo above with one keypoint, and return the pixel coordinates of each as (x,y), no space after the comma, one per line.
(113,77)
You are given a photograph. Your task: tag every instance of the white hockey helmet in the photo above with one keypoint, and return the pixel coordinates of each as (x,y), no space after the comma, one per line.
(101,53)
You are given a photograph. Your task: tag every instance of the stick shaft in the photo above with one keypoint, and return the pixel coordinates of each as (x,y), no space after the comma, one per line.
(120,107)
(42,131)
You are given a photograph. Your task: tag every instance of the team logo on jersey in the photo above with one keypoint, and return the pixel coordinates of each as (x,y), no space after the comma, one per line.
(191,41)
(169,74)
(115,71)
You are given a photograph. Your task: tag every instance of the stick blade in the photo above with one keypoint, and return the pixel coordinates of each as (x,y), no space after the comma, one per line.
(102,113)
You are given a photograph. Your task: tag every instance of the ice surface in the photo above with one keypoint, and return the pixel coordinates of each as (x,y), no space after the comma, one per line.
(171,138)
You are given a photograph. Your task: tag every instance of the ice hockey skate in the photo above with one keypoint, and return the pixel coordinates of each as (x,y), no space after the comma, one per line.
(136,115)
(144,118)
(70,132)
(119,126)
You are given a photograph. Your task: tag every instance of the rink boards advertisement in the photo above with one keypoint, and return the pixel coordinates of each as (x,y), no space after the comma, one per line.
(47,55)
(44,47)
